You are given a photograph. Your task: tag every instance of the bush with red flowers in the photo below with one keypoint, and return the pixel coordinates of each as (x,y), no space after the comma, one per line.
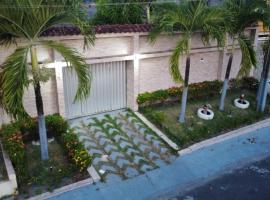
(15,147)
(195,91)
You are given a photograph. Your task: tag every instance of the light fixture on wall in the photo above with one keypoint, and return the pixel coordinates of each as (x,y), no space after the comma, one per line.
(202,60)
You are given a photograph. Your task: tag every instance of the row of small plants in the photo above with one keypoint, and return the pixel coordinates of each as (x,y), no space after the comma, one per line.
(204,89)
(16,135)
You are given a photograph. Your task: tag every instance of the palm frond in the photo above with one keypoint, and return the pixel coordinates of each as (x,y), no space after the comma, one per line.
(180,49)
(78,63)
(248,56)
(243,13)
(14,80)
(213,26)
(30,18)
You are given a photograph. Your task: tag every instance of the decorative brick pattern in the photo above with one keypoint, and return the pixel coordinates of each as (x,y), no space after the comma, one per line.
(122,146)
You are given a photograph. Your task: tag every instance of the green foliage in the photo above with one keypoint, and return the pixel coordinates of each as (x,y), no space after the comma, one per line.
(157,117)
(28,19)
(195,129)
(15,147)
(56,124)
(117,13)
(206,89)
(241,14)
(196,91)
(188,17)
(75,150)
(17,134)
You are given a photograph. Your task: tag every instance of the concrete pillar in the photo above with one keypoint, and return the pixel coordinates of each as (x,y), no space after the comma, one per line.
(60,90)
(133,86)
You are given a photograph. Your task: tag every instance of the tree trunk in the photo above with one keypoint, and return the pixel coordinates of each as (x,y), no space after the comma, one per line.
(226,83)
(39,106)
(185,92)
(148,13)
(262,93)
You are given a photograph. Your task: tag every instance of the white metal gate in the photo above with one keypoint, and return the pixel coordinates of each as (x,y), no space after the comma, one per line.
(108,90)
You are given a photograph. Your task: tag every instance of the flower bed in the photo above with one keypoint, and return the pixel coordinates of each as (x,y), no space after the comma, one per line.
(165,116)
(68,158)
(76,151)
(206,89)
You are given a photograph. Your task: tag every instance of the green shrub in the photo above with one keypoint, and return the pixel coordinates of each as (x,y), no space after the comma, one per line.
(15,135)
(56,124)
(15,147)
(75,150)
(196,91)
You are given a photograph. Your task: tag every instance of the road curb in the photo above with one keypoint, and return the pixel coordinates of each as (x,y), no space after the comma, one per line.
(226,136)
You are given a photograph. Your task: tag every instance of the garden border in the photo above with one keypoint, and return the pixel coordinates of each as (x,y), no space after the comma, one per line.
(63,189)
(89,181)
(10,186)
(232,134)
(157,131)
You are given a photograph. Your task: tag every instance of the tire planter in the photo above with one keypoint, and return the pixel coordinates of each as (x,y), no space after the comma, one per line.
(244,105)
(208,116)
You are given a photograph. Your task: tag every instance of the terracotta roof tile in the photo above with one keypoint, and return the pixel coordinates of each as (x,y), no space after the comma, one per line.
(101,29)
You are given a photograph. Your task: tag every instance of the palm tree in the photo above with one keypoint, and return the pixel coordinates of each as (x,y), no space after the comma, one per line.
(241,14)
(188,17)
(262,91)
(27,20)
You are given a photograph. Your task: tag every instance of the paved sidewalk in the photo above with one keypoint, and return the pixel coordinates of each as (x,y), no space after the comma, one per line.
(186,171)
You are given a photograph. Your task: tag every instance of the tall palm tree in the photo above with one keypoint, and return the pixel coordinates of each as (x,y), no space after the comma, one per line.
(188,17)
(27,20)
(262,91)
(241,14)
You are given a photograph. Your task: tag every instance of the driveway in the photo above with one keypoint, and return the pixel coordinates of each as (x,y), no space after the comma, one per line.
(121,145)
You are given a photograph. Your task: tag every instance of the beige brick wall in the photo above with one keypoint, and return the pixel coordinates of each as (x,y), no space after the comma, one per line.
(104,47)
(49,96)
(147,65)
(48,92)
(154,72)
(168,42)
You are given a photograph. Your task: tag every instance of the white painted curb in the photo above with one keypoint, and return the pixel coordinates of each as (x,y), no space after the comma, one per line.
(62,190)
(157,131)
(93,173)
(8,187)
(94,178)
(226,136)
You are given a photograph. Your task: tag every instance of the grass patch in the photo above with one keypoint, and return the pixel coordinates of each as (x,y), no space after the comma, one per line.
(196,129)
(45,176)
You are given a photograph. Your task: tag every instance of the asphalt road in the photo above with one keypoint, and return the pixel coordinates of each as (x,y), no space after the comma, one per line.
(251,182)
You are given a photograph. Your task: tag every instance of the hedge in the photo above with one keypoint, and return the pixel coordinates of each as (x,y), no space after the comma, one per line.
(195,91)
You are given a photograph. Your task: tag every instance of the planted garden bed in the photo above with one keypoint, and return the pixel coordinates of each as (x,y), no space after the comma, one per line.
(68,159)
(165,116)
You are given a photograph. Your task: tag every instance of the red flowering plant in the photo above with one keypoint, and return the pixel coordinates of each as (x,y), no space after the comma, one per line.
(15,147)
(75,150)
